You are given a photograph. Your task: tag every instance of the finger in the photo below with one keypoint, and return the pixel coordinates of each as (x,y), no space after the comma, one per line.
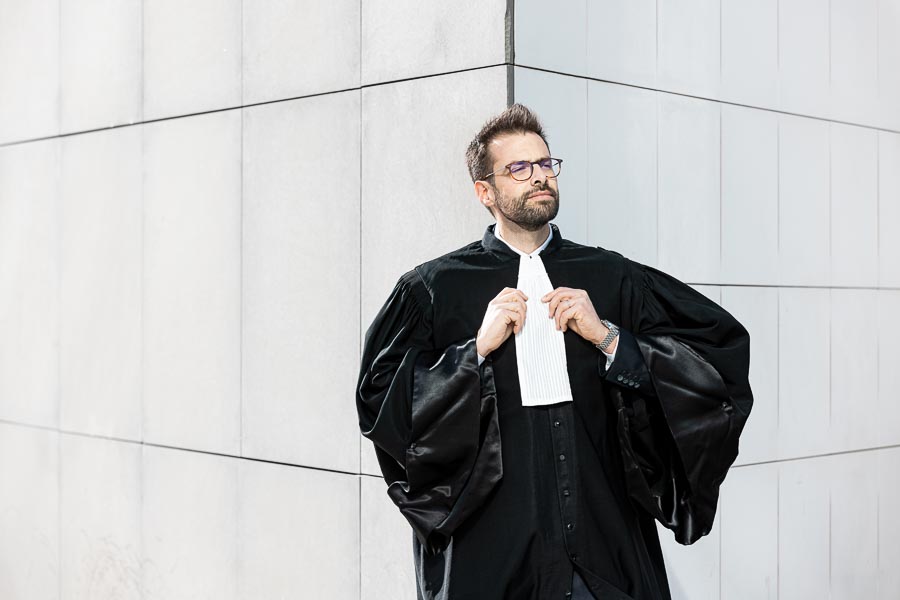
(516,318)
(566,313)
(555,304)
(549,295)
(565,316)
(514,305)
(499,297)
(508,290)
(515,297)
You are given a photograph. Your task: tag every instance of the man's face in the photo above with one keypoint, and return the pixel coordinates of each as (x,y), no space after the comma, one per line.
(530,204)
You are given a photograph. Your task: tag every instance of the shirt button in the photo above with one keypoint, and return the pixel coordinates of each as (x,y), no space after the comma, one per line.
(562,457)
(569,526)
(556,423)
(574,557)
(566,493)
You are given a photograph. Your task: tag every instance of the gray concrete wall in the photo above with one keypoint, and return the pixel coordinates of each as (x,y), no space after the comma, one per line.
(203,205)
(752,149)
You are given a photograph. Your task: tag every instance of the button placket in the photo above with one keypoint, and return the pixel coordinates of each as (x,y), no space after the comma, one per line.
(561,423)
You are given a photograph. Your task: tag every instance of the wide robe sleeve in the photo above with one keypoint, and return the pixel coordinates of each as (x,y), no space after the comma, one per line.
(682,394)
(431,413)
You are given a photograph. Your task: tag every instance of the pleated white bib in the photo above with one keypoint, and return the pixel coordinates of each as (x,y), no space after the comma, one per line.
(540,349)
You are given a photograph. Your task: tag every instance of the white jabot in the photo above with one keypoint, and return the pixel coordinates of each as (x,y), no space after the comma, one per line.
(540,348)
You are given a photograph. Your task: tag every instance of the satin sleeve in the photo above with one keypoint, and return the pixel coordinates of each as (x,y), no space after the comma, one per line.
(680,436)
(431,414)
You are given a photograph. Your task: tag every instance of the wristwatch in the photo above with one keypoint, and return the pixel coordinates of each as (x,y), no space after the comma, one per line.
(613,332)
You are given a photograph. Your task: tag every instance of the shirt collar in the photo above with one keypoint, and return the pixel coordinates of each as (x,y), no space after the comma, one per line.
(519,252)
(495,244)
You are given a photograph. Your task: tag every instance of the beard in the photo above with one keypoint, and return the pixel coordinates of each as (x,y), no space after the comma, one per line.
(528,215)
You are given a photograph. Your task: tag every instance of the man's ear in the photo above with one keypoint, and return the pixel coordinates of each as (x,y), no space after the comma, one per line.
(484,193)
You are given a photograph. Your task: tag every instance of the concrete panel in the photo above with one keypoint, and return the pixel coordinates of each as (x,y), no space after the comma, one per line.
(804,528)
(693,571)
(888,209)
(854,206)
(888,332)
(29,30)
(749,195)
(192,283)
(854,368)
(421,204)
(804,84)
(750,52)
(100,283)
(192,56)
(189,520)
(757,309)
(295,49)
(688,193)
(405,38)
(854,60)
(804,229)
(888,12)
(561,104)
(713,292)
(368,461)
(552,36)
(750,533)
(29,278)
(29,513)
(621,44)
(298,532)
(888,523)
(621,170)
(854,525)
(100,518)
(386,551)
(100,63)
(301,281)
(804,371)
(688,47)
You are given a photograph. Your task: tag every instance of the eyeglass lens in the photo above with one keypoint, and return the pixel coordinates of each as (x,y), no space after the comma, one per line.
(522,170)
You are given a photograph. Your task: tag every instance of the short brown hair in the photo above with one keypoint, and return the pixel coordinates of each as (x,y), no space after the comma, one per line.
(515,119)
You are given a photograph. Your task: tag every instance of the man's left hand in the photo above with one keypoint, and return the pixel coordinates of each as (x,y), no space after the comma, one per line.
(573,308)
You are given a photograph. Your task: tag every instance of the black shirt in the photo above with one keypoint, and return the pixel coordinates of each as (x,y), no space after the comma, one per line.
(506,500)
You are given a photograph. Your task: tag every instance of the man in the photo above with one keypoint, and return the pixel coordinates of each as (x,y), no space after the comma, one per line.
(535,404)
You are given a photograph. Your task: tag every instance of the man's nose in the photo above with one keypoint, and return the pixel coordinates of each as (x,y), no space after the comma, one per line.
(538,175)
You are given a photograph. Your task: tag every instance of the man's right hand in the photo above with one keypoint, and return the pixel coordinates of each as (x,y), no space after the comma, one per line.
(505,314)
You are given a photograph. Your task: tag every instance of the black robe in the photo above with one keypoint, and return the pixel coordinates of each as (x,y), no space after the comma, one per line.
(506,500)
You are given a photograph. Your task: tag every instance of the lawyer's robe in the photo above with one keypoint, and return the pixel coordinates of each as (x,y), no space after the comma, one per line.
(505,500)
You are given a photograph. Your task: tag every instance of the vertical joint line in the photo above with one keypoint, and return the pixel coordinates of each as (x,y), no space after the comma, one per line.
(510,32)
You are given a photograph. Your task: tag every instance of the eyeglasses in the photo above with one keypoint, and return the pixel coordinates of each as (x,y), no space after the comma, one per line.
(521,170)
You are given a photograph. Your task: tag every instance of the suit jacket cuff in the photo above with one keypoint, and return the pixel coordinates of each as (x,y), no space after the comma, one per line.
(629,369)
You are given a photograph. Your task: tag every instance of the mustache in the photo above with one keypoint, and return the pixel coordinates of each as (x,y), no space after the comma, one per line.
(542,190)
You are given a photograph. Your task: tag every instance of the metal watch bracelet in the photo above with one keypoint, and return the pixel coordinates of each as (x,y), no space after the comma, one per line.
(613,332)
